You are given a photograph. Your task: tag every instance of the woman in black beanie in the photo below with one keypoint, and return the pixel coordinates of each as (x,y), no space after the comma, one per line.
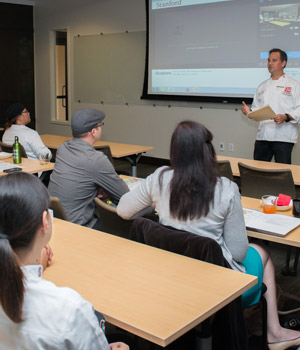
(17,119)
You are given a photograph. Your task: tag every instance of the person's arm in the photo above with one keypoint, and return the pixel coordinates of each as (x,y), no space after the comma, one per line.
(84,332)
(46,256)
(235,234)
(37,145)
(136,202)
(118,346)
(108,180)
(255,104)
(294,115)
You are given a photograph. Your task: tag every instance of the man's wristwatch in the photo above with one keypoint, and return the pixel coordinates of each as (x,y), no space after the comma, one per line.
(287,118)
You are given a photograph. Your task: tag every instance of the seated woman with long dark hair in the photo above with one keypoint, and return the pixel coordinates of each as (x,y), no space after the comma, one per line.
(34,313)
(190,195)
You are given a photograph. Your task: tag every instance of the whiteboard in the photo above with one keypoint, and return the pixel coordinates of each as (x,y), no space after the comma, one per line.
(109,68)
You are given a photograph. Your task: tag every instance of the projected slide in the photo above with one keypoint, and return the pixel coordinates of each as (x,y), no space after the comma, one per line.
(218,48)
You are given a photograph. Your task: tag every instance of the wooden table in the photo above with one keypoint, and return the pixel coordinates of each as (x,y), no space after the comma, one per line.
(118,150)
(31,166)
(147,291)
(292,238)
(264,165)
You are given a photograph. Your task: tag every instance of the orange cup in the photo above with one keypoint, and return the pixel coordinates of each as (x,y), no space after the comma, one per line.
(268,203)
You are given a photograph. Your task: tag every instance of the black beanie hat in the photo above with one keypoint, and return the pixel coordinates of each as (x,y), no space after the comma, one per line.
(14,110)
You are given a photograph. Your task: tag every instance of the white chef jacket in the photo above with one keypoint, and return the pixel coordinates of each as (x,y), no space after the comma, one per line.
(28,138)
(55,318)
(283,96)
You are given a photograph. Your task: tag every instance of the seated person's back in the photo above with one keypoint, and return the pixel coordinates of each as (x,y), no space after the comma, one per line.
(190,195)
(34,313)
(54,318)
(80,171)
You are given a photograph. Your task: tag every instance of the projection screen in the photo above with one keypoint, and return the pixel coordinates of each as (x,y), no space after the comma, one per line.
(217,50)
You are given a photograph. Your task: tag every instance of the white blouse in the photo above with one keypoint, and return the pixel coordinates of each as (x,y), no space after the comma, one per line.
(55,318)
(29,139)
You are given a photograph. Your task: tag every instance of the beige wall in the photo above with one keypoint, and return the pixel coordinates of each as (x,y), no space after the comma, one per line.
(145,125)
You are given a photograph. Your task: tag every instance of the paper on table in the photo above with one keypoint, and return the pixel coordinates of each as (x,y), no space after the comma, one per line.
(263,113)
(274,224)
(132,182)
(4,155)
(5,165)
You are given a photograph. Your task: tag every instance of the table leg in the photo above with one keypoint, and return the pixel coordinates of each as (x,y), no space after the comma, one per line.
(133,160)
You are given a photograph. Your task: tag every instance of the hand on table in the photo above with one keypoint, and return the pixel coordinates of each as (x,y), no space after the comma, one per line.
(46,256)
(245,109)
(118,346)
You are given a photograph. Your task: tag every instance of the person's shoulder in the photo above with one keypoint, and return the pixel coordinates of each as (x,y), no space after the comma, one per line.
(163,172)
(68,305)
(99,159)
(67,144)
(58,296)
(227,185)
(29,130)
(263,84)
(292,80)
(165,169)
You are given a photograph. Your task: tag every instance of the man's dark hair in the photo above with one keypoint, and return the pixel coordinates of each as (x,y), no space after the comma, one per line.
(283,55)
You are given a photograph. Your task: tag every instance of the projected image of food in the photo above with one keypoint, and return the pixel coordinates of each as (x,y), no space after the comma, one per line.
(218,48)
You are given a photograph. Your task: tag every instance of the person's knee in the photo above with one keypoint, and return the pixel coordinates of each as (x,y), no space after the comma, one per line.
(263,252)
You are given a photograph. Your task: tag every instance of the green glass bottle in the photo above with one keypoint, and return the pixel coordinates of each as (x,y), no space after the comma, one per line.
(17,151)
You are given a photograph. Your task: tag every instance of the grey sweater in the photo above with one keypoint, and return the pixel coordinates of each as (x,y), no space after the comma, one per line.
(224,222)
(79,172)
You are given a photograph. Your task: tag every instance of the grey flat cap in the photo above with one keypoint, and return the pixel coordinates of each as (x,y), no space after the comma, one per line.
(84,120)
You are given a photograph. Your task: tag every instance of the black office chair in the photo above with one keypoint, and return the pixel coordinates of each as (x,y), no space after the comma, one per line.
(227,328)
(106,150)
(225,169)
(9,149)
(111,222)
(256,182)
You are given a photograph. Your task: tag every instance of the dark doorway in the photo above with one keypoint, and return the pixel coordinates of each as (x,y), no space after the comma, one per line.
(16,59)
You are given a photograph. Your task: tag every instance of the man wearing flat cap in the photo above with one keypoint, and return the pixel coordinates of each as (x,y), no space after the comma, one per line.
(17,118)
(80,171)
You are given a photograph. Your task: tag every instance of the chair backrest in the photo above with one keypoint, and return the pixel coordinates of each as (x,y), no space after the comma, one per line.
(106,150)
(225,169)
(111,222)
(58,210)
(181,242)
(9,148)
(256,182)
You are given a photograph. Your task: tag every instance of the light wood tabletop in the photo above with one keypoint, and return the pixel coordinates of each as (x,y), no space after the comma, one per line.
(118,150)
(31,166)
(147,291)
(264,165)
(292,238)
